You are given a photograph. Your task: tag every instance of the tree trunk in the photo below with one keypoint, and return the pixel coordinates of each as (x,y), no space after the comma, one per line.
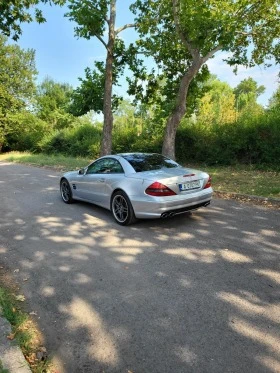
(106,145)
(168,147)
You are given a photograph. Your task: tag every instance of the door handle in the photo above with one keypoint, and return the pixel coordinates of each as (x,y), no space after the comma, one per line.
(101,180)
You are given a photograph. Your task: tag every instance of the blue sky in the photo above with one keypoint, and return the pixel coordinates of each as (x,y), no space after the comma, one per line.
(63,57)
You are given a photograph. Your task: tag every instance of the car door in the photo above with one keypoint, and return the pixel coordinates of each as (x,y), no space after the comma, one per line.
(91,183)
(112,175)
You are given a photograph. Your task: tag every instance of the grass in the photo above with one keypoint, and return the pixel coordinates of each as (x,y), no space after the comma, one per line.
(243,179)
(15,316)
(23,331)
(2,370)
(58,162)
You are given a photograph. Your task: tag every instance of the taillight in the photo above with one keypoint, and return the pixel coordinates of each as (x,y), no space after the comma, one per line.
(159,190)
(208,184)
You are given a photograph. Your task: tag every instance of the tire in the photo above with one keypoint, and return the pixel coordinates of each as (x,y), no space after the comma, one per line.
(122,209)
(65,191)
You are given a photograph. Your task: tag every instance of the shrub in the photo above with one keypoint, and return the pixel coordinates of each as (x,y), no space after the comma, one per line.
(250,140)
(27,131)
(83,140)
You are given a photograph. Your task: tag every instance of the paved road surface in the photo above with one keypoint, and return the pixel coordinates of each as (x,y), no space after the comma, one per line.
(195,293)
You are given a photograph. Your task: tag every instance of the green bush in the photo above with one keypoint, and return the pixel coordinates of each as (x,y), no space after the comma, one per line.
(27,131)
(252,140)
(130,140)
(83,140)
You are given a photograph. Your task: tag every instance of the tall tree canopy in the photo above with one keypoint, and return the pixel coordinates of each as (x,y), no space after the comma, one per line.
(247,92)
(92,18)
(217,106)
(17,86)
(274,102)
(248,29)
(53,101)
(13,13)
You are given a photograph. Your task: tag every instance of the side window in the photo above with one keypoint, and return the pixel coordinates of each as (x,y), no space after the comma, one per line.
(105,166)
(96,167)
(115,167)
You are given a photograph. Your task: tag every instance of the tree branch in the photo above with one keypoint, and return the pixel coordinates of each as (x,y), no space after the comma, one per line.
(102,41)
(120,29)
(212,52)
(193,51)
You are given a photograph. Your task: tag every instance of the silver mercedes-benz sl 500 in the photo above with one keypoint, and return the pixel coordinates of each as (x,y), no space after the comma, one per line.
(138,185)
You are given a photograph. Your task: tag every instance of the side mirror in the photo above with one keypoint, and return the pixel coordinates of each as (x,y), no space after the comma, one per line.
(82,171)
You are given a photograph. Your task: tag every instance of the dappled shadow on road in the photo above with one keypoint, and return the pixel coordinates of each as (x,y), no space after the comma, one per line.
(195,293)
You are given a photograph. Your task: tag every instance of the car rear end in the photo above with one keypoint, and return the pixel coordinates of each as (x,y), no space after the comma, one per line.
(163,196)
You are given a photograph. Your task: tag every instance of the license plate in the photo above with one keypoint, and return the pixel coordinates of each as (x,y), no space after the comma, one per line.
(189,185)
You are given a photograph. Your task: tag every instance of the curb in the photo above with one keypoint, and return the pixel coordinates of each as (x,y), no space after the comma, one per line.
(11,355)
(264,201)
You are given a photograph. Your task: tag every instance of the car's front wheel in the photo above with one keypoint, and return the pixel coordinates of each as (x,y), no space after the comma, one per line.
(65,191)
(122,209)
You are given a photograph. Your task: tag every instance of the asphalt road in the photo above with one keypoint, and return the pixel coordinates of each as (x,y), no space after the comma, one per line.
(195,293)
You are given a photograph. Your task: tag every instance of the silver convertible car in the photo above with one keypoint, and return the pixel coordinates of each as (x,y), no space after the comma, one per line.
(138,185)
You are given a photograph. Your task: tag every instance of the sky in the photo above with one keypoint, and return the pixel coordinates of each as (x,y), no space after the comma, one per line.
(63,57)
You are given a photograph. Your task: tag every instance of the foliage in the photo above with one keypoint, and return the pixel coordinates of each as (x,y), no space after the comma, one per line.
(159,42)
(2,370)
(196,30)
(250,140)
(81,140)
(217,106)
(128,139)
(92,17)
(17,72)
(90,94)
(13,13)
(274,102)
(246,94)
(28,130)
(52,103)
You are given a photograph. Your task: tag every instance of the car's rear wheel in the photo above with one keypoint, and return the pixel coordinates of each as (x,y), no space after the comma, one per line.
(122,209)
(65,191)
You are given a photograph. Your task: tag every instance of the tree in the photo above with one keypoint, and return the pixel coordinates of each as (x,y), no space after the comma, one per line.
(92,17)
(247,29)
(247,92)
(274,101)
(53,101)
(217,106)
(13,13)
(90,94)
(17,87)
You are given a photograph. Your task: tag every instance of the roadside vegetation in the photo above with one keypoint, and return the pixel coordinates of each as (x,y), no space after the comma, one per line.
(23,330)
(2,370)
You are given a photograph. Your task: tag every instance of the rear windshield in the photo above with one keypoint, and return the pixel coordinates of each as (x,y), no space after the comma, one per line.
(148,162)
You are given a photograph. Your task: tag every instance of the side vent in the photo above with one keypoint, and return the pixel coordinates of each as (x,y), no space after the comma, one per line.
(74,186)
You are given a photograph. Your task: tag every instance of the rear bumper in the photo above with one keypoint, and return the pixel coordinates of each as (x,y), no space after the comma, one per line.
(184,210)
(157,207)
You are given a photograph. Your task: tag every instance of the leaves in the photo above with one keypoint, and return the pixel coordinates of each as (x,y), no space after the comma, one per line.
(90,17)
(13,13)
(181,36)
(11,336)
(20,298)
(17,72)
